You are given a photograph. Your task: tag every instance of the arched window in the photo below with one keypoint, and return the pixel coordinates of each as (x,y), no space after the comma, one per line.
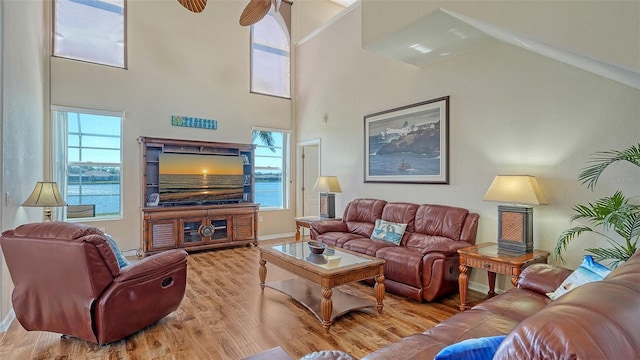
(270,56)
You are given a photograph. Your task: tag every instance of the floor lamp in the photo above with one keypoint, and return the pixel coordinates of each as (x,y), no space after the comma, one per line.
(515,219)
(327,186)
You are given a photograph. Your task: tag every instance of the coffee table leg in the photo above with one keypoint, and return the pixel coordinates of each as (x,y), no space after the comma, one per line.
(297,231)
(463,283)
(378,288)
(262,272)
(327,308)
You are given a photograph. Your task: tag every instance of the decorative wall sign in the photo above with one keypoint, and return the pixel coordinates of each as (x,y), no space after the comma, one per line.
(409,144)
(187,121)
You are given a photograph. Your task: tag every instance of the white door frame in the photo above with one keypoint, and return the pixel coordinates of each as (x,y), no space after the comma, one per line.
(299,172)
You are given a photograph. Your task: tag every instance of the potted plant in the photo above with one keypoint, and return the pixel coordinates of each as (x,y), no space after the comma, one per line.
(612,213)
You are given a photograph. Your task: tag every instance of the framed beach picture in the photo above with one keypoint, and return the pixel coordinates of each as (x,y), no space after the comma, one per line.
(409,144)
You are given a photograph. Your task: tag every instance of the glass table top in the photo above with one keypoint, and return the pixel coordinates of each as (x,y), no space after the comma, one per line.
(331,258)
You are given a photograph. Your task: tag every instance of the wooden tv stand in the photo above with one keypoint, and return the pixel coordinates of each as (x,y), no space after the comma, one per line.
(196,227)
(199,227)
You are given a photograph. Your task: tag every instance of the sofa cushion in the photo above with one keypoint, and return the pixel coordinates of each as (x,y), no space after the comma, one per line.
(472,349)
(366,246)
(588,271)
(361,214)
(401,212)
(388,231)
(440,220)
(337,238)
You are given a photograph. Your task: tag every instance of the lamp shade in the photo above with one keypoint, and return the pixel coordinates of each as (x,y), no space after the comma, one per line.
(45,194)
(518,189)
(327,184)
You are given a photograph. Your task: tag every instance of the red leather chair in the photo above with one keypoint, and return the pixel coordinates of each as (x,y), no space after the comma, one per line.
(67,280)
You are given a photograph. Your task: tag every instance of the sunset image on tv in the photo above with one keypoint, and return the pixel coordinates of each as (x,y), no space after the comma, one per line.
(190,178)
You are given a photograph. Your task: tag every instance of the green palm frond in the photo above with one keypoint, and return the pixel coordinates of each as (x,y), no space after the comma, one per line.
(566,237)
(615,255)
(266,137)
(603,159)
(609,213)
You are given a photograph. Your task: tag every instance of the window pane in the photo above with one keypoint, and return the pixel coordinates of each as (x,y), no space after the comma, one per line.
(270,170)
(99,186)
(94,139)
(90,30)
(270,58)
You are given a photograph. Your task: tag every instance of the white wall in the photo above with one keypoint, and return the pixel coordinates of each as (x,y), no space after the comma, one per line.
(179,63)
(511,112)
(24,96)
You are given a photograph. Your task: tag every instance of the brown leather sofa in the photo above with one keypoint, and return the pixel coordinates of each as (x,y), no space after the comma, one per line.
(67,280)
(598,320)
(425,264)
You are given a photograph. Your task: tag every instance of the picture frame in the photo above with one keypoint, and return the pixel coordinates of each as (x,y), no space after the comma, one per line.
(153,200)
(408,144)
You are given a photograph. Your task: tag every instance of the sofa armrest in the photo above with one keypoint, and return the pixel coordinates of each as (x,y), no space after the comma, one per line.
(542,278)
(325,226)
(447,247)
(152,265)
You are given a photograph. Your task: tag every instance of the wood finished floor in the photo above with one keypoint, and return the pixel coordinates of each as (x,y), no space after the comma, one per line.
(225,316)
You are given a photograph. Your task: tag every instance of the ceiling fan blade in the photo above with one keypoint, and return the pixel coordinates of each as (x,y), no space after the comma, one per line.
(194,5)
(254,12)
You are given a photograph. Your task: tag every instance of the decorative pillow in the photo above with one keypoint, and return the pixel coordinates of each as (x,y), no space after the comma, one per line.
(587,272)
(122,261)
(388,231)
(471,349)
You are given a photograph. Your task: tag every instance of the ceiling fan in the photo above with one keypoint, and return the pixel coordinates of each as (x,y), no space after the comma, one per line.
(194,5)
(256,10)
(252,13)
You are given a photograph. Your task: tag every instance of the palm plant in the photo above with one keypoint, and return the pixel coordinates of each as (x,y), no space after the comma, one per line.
(266,137)
(614,212)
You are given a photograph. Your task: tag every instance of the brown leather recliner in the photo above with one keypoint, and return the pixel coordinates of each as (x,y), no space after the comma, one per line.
(67,280)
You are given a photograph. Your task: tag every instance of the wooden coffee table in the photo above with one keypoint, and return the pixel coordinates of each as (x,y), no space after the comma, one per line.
(333,268)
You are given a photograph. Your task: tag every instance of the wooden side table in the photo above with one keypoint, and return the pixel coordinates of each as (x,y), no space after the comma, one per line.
(487,257)
(306,221)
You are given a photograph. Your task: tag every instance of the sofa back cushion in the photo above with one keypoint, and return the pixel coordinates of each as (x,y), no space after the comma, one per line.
(440,220)
(360,215)
(402,213)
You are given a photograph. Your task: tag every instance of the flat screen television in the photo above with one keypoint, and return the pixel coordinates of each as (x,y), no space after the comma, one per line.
(194,179)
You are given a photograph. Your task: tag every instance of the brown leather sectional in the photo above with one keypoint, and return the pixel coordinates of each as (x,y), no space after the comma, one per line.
(425,264)
(598,320)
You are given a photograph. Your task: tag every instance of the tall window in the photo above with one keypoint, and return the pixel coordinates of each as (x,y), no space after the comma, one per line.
(90,30)
(271,168)
(88,161)
(270,58)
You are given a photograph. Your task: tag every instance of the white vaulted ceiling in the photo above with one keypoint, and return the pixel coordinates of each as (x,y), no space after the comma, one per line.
(442,34)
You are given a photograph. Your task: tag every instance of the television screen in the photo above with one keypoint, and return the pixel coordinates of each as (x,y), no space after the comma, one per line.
(199,179)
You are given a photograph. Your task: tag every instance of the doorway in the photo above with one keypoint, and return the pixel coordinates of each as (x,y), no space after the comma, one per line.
(308,165)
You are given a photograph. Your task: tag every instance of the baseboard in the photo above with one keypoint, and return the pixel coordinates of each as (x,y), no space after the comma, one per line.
(6,322)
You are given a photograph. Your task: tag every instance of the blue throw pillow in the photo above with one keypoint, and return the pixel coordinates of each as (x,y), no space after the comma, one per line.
(589,271)
(122,261)
(388,231)
(471,349)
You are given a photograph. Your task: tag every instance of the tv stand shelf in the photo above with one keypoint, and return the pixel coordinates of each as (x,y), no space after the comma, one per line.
(194,223)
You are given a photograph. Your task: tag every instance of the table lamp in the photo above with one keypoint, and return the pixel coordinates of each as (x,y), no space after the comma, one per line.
(327,186)
(515,221)
(46,195)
